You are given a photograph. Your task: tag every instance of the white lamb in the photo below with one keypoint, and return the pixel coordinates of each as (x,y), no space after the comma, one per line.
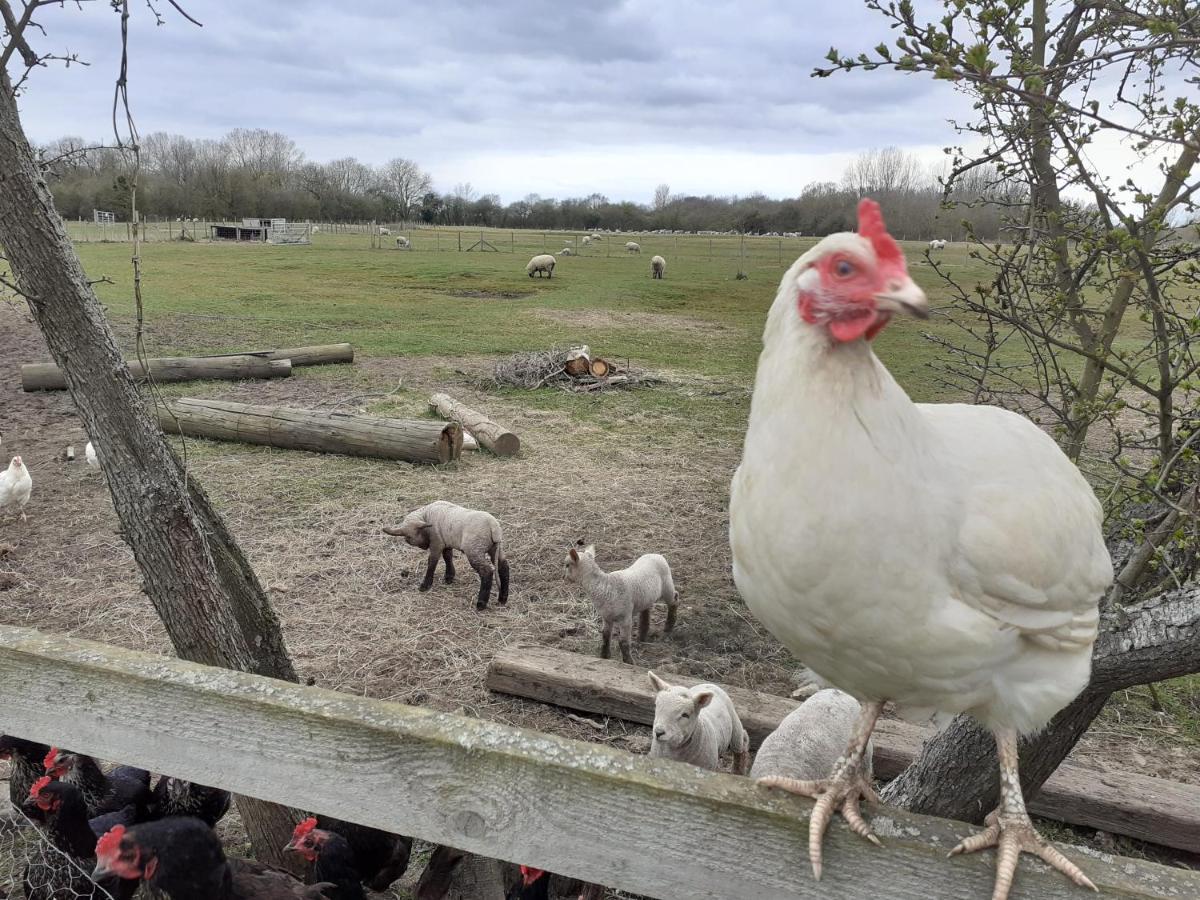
(566,251)
(316,229)
(383,230)
(403,243)
(937,244)
(633,247)
(617,596)
(811,739)
(696,725)
(541,263)
(587,240)
(441,528)
(658,265)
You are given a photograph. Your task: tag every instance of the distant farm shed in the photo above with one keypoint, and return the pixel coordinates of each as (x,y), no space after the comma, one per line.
(263,231)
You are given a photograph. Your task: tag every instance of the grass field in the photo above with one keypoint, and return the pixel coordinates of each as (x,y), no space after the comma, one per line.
(634,471)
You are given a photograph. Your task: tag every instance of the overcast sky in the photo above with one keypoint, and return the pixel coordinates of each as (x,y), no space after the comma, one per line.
(561,99)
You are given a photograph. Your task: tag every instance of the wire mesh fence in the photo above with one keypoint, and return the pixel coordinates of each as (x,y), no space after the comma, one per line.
(33,868)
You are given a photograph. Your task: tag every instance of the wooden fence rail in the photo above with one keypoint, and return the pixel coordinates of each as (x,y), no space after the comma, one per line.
(593,812)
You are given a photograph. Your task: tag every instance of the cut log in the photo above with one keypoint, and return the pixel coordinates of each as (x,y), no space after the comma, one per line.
(48,377)
(600,368)
(319,355)
(1148,809)
(579,362)
(412,440)
(494,437)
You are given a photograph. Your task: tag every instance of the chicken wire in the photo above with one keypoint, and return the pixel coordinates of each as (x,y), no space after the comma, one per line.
(27,855)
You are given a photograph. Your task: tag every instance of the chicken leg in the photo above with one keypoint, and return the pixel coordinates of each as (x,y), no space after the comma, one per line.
(1010,830)
(843,789)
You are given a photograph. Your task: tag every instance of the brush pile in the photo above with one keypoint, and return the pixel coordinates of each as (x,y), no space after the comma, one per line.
(567,368)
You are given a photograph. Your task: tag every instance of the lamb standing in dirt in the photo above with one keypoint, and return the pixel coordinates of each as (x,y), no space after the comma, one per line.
(441,528)
(618,595)
(695,725)
(811,739)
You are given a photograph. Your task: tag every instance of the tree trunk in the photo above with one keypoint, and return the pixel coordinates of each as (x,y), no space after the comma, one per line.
(495,437)
(48,377)
(956,775)
(201,585)
(600,368)
(412,440)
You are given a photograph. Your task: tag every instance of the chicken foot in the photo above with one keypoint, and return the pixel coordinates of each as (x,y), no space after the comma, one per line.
(843,789)
(1010,830)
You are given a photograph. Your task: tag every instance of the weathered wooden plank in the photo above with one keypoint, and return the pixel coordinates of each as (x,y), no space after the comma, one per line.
(1149,809)
(649,826)
(317,355)
(413,440)
(48,377)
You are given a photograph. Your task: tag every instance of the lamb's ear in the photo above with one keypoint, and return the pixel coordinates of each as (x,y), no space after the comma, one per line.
(702,699)
(574,555)
(590,550)
(659,684)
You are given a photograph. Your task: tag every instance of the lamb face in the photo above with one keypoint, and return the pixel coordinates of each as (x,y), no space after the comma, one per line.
(676,713)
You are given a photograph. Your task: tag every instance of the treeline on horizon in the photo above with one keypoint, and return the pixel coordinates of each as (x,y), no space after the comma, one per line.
(254,172)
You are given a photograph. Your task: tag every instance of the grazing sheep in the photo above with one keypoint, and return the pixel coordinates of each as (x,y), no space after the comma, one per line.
(441,528)
(695,725)
(566,251)
(541,263)
(587,240)
(811,739)
(633,247)
(937,244)
(316,229)
(403,243)
(658,265)
(617,596)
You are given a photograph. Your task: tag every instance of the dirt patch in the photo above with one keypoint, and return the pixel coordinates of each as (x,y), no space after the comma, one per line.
(617,319)
(492,295)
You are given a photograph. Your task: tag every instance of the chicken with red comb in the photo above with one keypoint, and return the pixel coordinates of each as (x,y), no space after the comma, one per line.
(25,765)
(947,557)
(104,793)
(331,860)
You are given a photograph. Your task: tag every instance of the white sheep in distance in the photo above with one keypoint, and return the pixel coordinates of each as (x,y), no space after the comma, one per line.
(441,528)
(587,240)
(695,725)
(633,247)
(937,244)
(617,596)
(543,262)
(566,251)
(403,243)
(811,739)
(383,230)
(316,229)
(658,265)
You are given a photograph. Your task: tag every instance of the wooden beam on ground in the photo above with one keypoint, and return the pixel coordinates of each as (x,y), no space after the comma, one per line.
(494,437)
(412,440)
(48,377)
(647,826)
(318,355)
(1149,809)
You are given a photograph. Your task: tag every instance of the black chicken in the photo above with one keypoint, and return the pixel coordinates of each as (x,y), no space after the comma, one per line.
(63,872)
(176,797)
(534,885)
(379,856)
(181,858)
(26,766)
(331,858)
(121,787)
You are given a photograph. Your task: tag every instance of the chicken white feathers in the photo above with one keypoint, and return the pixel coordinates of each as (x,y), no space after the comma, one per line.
(16,486)
(89,453)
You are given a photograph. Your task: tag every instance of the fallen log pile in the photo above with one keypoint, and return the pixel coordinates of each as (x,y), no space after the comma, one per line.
(568,368)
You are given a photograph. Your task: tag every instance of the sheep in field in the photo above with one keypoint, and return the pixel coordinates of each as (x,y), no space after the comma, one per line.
(587,240)
(633,247)
(383,230)
(658,265)
(403,243)
(811,739)
(937,244)
(695,725)
(542,263)
(566,251)
(441,528)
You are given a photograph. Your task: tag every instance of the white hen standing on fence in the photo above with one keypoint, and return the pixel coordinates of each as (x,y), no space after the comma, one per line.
(947,557)
(15,487)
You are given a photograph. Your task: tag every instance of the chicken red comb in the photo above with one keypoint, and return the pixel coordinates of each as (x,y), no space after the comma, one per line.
(110,842)
(872,227)
(529,874)
(36,790)
(51,756)
(304,828)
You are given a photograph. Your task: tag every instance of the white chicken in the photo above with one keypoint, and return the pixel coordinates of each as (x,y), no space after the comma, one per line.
(947,557)
(15,487)
(89,453)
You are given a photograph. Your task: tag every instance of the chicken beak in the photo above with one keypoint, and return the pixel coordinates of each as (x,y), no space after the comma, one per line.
(291,845)
(101,871)
(903,296)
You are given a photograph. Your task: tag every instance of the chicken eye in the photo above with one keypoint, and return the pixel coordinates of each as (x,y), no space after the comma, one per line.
(844,268)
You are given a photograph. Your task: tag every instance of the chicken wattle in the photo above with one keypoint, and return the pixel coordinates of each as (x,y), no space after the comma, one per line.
(947,557)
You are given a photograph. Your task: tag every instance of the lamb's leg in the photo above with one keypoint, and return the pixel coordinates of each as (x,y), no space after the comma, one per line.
(484,569)
(643,625)
(448,557)
(672,608)
(430,569)
(502,571)
(606,643)
(625,630)
(741,753)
